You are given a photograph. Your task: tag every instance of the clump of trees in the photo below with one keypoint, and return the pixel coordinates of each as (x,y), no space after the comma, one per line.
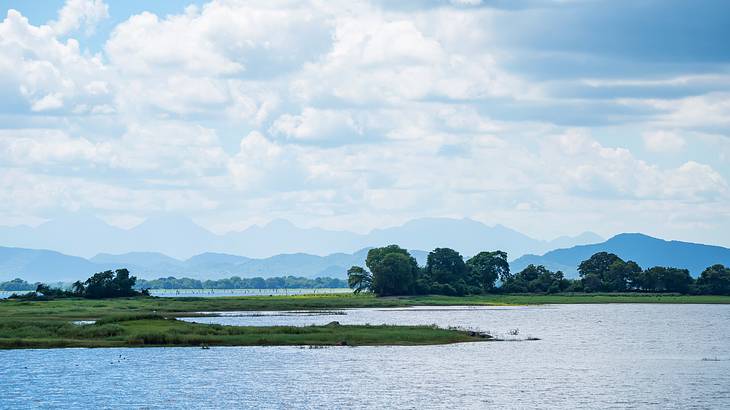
(235,282)
(537,279)
(391,271)
(17,284)
(107,284)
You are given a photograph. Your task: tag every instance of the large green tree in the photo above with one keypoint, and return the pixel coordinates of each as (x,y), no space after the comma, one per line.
(394,271)
(486,267)
(359,279)
(536,279)
(715,280)
(445,265)
(663,279)
(607,272)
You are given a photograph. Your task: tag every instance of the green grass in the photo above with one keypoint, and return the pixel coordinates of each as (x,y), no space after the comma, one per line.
(79,309)
(158,331)
(150,321)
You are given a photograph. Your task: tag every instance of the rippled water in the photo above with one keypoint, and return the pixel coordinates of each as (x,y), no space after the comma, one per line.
(590,356)
(223,292)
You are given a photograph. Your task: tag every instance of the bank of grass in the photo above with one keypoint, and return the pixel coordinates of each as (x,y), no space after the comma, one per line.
(150,321)
(150,331)
(82,309)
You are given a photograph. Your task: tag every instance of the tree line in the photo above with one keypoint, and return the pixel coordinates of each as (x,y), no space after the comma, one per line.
(107,284)
(391,271)
(235,282)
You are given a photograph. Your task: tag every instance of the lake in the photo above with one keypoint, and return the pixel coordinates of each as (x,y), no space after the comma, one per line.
(589,356)
(224,292)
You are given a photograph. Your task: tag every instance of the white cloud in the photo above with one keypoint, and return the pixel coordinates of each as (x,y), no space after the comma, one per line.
(314,124)
(346,114)
(79,13)
(222,38)
(663,142)
(47,73)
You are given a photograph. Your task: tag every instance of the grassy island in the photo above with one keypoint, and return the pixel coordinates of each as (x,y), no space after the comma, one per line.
(150,321)
(150,330)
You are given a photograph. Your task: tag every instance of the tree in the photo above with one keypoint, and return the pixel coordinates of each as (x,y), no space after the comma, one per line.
(445,265)
(663,279)
(394,270)
(536,279)
(607,272)
(486,267)
(358,279)
(78,288)
(714,280)
(110,284)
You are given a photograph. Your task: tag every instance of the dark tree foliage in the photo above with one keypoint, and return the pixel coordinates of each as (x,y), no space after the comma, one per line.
(394,271)
(536,279)
(445,265)
(358,279)
(108,284)
(662,279)
(714,280)
(17,284)
(606,272)
(486,267)
(48,292)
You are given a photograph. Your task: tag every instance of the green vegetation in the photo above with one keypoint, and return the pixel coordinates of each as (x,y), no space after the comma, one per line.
(145,330)
(105,284)
(235,282)
(17,285)
(89,309)
(393,271)
(148,321)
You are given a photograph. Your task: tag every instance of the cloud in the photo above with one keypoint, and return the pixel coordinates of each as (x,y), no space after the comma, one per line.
(365,113)
(48,74)
(79,13)
(249,39)
(663,142)
(315,124)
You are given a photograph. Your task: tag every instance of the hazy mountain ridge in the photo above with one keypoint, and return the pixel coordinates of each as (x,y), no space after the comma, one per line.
(180,238)
(645,250)
(43,265)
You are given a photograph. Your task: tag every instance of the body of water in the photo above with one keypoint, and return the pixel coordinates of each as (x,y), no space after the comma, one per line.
(244,292)
(589,356)
(224,292)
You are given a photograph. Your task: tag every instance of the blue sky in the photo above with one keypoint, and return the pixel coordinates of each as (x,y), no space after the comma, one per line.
(551,117)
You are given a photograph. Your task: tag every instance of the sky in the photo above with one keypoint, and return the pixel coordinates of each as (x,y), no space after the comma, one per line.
(552,117)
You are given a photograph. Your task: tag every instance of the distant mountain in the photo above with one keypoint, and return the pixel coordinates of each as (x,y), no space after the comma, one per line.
(644,250)
(48,266)
(180,238)
(468,237)
(41,265)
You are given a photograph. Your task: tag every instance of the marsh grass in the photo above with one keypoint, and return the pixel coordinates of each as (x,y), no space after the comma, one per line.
(171,332)
(149,321)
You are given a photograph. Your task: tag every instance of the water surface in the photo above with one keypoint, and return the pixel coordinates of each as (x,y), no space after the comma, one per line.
(590,356)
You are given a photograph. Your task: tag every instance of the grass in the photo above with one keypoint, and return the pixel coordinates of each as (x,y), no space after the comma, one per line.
(151,321)
(80,309)
(160,331)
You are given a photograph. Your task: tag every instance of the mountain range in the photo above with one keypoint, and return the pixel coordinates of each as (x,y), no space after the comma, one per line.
(181,238)
(50,266)
(642,249)
(36,265)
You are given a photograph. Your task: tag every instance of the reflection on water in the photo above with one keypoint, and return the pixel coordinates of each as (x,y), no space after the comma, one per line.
(224,292)
(590,356)
(244,292)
